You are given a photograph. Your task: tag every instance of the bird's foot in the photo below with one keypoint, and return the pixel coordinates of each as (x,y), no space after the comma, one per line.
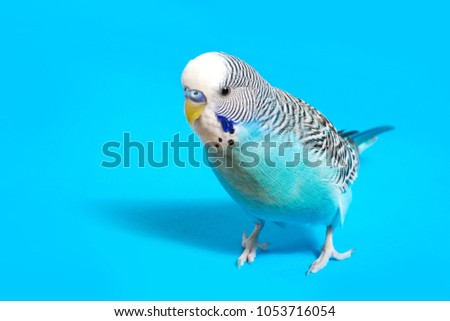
(250,244)
(328,252)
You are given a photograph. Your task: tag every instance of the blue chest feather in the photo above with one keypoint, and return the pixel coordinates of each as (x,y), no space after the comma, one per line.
(279,193)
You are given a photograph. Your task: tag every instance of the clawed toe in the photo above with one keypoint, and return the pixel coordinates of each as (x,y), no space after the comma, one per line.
(328,252)
(250,245)
(325,257)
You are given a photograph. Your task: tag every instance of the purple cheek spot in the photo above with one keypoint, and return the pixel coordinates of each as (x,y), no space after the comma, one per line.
(227,125)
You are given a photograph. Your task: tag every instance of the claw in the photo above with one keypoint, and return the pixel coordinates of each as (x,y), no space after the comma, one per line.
(264,246)
(244,239)
(250,245)
(328,251)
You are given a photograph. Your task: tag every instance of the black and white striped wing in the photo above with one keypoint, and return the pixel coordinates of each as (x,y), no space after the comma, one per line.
(316,132)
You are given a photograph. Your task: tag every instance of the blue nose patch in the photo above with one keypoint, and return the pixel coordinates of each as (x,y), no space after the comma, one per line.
(195,96)
(227,124)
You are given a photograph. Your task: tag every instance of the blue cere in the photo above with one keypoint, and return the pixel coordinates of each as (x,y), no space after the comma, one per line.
(195,96)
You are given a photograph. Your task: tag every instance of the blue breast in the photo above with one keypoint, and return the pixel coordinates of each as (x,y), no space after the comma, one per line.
(278,193)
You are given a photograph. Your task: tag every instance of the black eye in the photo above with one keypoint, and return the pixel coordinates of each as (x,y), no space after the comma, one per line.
(225,91)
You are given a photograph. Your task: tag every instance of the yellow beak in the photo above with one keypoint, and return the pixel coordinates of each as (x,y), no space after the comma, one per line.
(193,110)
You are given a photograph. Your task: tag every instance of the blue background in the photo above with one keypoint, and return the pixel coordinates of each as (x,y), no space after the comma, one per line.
(76,74)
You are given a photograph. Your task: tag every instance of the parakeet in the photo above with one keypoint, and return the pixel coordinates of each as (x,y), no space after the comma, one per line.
(283,161)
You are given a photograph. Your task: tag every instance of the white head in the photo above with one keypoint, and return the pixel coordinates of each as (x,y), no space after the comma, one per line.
(207,72)
(222,83)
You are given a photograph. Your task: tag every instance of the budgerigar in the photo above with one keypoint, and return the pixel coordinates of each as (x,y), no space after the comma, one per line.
(305,177)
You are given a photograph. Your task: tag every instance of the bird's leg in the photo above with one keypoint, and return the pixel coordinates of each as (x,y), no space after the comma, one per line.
(250,244)
(328,252)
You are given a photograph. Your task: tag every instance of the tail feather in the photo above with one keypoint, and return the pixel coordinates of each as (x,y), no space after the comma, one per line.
(366,138)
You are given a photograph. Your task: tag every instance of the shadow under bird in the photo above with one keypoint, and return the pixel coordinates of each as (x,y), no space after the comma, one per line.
(305,178)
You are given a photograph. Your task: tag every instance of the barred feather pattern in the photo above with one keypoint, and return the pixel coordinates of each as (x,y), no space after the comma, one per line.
(250,91)
(278,112)
(314,131)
